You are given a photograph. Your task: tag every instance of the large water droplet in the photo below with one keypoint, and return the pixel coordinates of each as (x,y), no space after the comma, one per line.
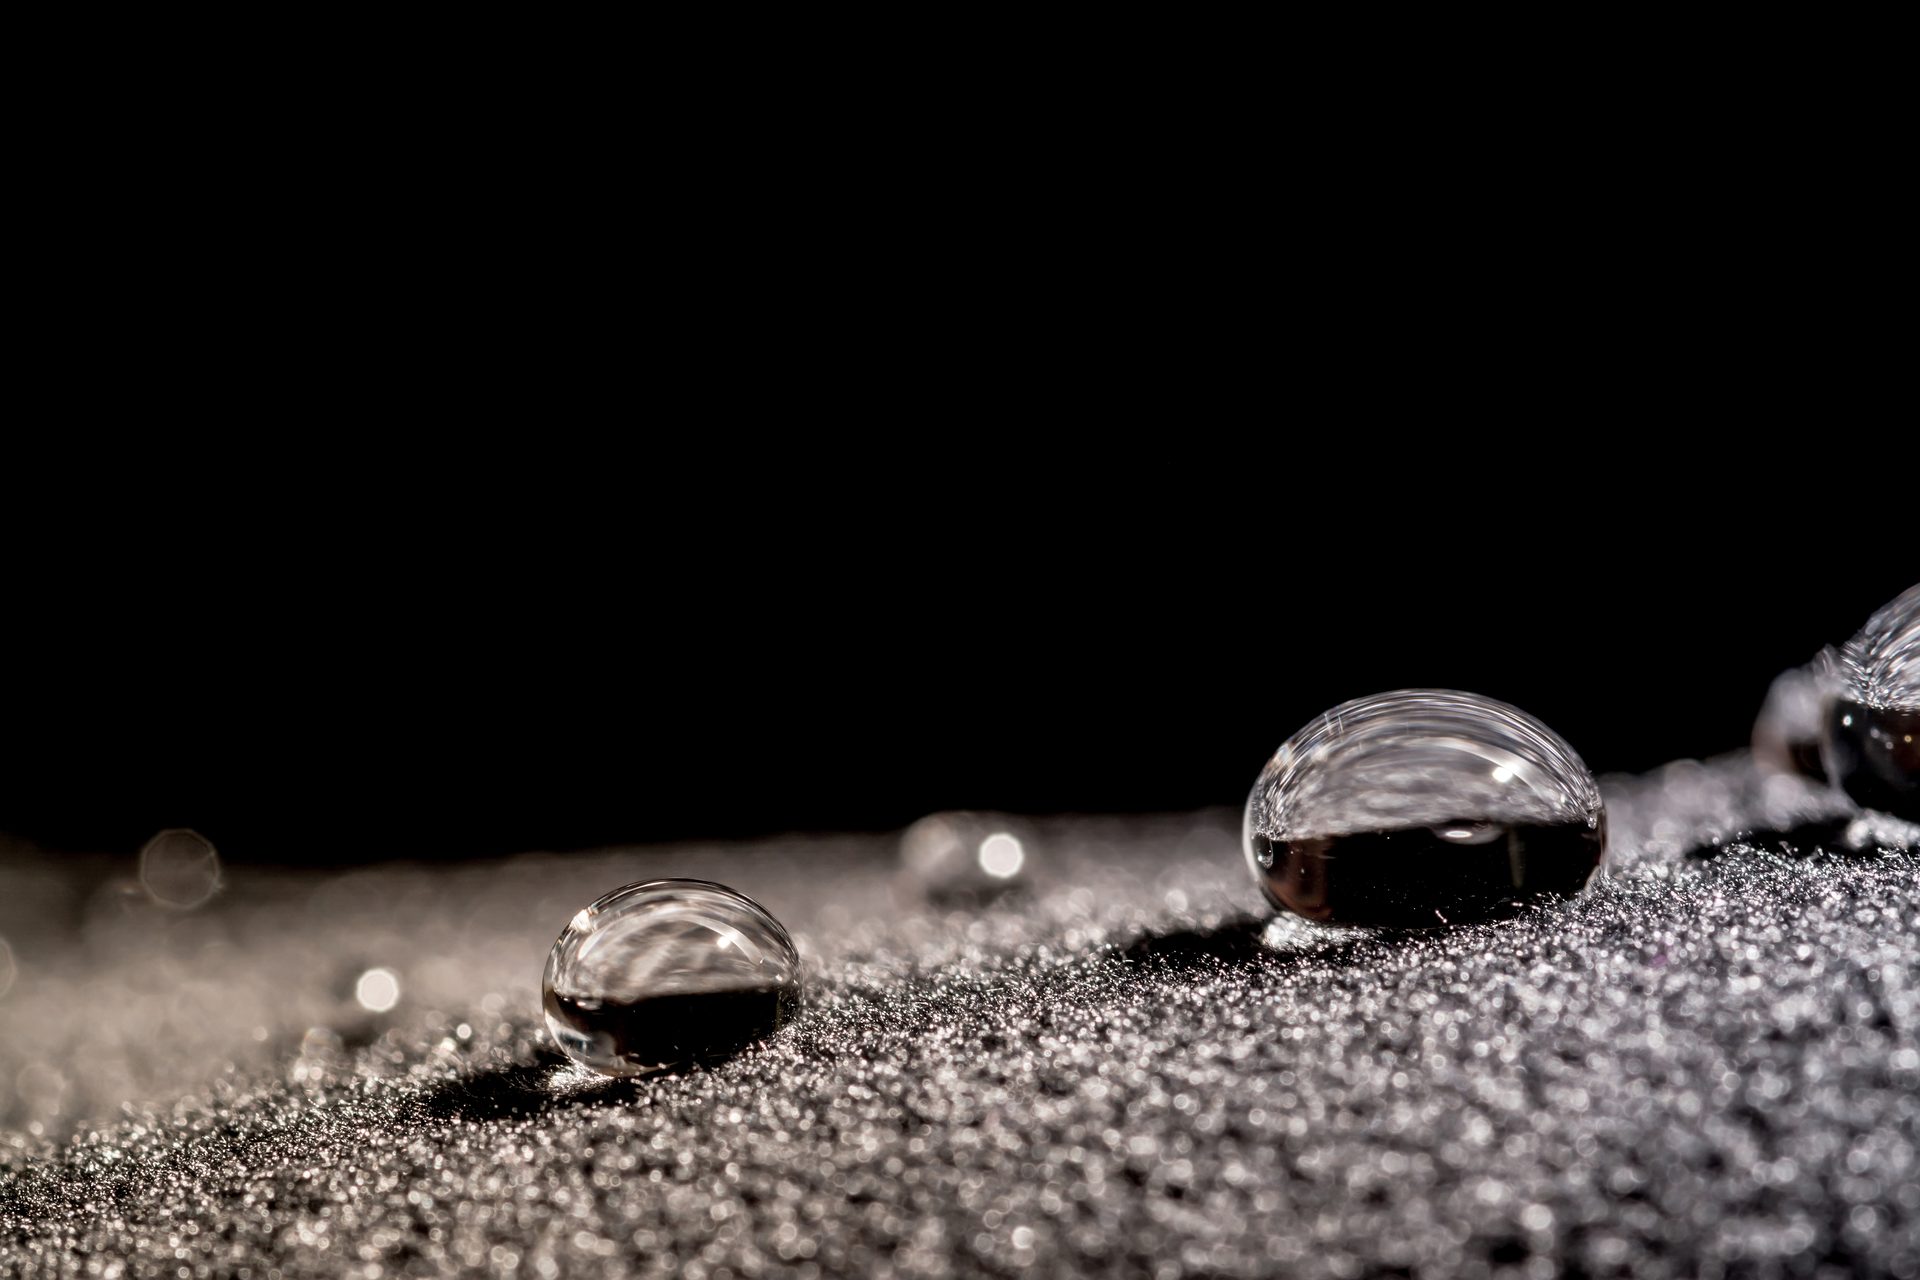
(1419,808)
(1873,721)
(666,973)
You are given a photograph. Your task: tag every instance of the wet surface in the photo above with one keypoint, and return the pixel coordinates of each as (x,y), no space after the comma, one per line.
(1707,1064)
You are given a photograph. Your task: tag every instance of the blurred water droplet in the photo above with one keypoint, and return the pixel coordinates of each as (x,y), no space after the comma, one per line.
(42,1089)
(319,1040)
(8,971)
(179,869)
(960,855)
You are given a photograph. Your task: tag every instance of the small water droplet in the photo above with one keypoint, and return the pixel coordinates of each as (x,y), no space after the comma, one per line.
(666,973)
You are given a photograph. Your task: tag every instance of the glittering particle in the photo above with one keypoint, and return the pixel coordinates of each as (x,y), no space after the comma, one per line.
(377,990)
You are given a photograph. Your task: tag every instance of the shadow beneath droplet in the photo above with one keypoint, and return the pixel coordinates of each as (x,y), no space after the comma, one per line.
(1235,942)
(526,1092)
(1263,941)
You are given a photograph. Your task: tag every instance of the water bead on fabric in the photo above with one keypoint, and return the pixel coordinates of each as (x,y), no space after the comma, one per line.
(668,973)
(1420,808)
(1872,744)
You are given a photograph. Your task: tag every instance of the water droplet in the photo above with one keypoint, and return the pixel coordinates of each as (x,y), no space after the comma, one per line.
(1422,807)
(960,856)
(668,972)
(179,869)
(1873,725)
(7,969)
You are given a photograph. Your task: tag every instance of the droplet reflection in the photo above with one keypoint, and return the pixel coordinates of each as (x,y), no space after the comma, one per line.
(667,973)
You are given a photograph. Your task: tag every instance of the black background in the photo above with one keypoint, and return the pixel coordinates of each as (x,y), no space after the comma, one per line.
(593,651)
(819,465)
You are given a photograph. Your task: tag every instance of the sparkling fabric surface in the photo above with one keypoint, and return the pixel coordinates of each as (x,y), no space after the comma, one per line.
(1709,1065)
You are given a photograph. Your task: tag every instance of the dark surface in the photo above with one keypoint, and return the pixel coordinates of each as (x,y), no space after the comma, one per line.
(1708,1064)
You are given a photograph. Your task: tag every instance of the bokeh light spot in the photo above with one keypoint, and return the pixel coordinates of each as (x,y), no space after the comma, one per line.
(377,990)
(1001,855)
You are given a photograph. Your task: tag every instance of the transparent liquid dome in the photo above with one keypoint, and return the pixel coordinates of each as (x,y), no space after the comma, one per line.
(666,973)
(1419,808)
(1872,743)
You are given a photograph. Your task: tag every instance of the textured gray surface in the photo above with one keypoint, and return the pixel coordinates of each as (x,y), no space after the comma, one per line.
(1709,1065)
